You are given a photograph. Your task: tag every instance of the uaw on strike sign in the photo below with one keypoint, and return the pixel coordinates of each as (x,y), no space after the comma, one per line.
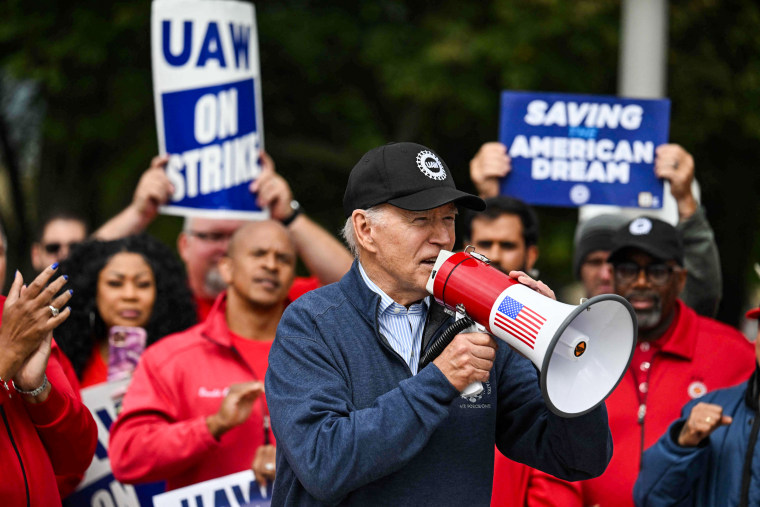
(571,150)
(207,89)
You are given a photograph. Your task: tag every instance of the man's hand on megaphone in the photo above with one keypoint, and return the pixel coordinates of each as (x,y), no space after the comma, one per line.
(536,285)
(467,359)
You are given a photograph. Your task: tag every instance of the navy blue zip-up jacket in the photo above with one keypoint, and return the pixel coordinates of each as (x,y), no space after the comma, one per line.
(723,470)
(355,427)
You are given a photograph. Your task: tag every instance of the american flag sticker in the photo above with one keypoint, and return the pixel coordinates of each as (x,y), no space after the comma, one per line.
(518,320)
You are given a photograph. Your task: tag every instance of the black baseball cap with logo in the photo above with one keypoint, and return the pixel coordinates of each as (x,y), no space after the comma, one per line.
(406,175)
(651,235)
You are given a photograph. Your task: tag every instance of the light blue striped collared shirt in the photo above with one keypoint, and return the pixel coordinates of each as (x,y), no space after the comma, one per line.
(401,326)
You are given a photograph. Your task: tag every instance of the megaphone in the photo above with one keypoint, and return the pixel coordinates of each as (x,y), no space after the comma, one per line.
(581,352)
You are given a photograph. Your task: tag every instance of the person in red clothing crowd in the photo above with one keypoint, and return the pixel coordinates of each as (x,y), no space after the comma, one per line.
(680,356)
(195,409)
(203,241)
(48,434)
(135,283)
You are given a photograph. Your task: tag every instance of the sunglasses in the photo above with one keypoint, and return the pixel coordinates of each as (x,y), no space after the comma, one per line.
(55,247)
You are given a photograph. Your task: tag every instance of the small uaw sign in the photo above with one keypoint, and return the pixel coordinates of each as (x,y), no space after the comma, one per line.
(207,90)
(99,488)
(571,150)
(236,490)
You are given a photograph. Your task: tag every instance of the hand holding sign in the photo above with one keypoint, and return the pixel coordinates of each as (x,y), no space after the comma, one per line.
(153,190)
(490,164)
(676,165)
(273,191)
(236,407)
(264,464)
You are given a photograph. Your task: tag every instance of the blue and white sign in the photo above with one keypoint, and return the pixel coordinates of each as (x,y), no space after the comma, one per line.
(571,150)
(207,89)
(238,490)
(99,487)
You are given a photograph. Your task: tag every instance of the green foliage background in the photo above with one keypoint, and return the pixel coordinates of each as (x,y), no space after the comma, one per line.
(341,77)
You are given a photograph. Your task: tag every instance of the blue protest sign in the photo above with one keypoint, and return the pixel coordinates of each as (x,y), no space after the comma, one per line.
(571,150)
(207,84)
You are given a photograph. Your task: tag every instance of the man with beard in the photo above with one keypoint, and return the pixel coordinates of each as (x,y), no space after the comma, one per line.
(593,239)
(680,356)
(506,232)
(195,409)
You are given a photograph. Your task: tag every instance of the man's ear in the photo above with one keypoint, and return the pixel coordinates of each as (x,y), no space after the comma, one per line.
(37,257)
(182,246)
(363,229)
(225,269)
(531,256)
(681,279)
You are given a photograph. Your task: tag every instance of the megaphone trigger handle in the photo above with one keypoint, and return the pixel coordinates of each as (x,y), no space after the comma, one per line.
(473,389)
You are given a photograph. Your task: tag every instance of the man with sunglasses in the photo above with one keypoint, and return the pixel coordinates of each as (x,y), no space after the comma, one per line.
(59,232)
(680,356)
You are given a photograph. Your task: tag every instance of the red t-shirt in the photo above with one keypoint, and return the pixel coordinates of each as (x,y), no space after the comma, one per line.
(256,354)
(95,371)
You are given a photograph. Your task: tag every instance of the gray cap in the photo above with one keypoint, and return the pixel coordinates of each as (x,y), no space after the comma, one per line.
(595,234)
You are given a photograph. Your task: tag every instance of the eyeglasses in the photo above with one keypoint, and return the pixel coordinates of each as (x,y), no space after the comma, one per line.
(55,247)
(211,237)
(657,274)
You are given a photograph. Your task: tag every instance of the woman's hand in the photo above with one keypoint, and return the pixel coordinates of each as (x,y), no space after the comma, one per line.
(27,325)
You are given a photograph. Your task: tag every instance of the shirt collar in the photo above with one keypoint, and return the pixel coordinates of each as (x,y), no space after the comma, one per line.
(386,301)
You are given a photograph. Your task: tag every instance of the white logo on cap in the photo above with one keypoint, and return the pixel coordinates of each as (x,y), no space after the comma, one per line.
(430,165)
(640,226)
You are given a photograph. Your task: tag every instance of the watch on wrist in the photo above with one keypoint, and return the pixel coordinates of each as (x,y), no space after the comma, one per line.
(33,392)
(295,206)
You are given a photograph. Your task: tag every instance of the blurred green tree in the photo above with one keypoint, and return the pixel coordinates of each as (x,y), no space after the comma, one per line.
(340,77)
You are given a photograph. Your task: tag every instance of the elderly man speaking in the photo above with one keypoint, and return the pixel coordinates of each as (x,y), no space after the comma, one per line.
(356,422)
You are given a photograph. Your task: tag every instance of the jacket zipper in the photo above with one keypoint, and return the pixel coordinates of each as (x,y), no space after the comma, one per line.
(18,454)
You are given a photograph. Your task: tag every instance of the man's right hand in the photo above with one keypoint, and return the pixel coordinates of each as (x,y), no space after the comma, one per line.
(703,420)
(467,359)
(236,408)
(28,320)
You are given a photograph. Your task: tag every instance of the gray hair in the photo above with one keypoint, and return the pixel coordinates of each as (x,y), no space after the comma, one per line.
(375,215)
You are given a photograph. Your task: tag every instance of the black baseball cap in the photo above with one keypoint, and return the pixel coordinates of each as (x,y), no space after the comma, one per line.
(651,235)
(406,175)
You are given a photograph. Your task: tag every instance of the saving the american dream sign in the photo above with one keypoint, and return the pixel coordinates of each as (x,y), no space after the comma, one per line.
(571,150)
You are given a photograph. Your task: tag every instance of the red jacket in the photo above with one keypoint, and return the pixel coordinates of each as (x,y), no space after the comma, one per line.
(161,433)
(701,355)
(41,441)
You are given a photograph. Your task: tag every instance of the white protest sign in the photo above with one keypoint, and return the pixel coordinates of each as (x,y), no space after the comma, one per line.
(99,488)
(207,90)
(235,490)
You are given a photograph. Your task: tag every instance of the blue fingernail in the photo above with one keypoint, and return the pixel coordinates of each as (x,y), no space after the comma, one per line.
(54,266)
(66,277)
(71,291)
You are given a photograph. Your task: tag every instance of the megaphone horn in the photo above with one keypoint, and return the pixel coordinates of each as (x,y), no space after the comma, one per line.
(582,352)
